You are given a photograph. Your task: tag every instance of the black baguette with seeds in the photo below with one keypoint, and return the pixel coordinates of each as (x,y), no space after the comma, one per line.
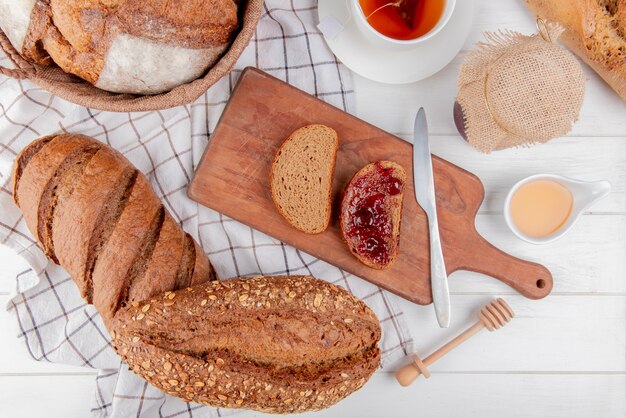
(272,344)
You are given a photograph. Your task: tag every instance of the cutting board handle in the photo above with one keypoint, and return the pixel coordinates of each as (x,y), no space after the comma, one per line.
(530,279)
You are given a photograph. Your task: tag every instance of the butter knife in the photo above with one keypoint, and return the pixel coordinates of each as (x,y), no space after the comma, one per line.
(425,195)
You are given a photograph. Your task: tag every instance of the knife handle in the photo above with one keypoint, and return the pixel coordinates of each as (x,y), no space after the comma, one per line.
(530,279)
(438,276)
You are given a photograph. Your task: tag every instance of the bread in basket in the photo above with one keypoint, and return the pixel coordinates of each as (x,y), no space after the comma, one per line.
(125,55)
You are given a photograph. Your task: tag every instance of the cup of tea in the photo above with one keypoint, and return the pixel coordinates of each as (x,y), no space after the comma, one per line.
(401,24)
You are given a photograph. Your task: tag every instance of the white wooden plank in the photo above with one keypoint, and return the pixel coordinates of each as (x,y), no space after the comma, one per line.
(588,260)
(46,396)
(585,158)
(494,15)
(482,396)
(545,336)
(443,395)
(555,334)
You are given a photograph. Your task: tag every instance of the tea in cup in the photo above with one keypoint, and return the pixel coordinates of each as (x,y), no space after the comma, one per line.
(401,23)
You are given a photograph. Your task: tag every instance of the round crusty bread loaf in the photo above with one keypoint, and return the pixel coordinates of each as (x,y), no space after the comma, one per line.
(95,214)
(273,344)
(123,46)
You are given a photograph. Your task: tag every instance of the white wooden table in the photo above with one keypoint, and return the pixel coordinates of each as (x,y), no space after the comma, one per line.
(563,356)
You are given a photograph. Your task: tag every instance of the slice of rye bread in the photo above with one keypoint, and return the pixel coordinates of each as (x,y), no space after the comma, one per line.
(286,344)
(59,189)
(22,160)
(359,217)
(301,177)
(84,221)
(126,253)
(37,178)
(165,264)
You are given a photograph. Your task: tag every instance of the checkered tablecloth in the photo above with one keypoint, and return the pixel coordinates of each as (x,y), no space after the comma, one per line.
(53,321)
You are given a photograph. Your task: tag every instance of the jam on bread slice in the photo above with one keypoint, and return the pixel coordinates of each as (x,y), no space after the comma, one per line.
(371,211)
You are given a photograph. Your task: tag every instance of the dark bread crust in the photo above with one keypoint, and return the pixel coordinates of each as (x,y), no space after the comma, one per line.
(33,48)
(193,23)
(187,264)
(82,222)
(137,227)
(164,265)
(39,174)
(395,202)
(58,188)
(90,24)
(274,344)
(22,160)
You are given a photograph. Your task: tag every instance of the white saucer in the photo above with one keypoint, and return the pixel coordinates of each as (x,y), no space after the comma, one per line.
(394,66)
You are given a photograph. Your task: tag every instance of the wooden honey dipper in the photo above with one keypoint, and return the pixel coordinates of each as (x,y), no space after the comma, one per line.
(492,316)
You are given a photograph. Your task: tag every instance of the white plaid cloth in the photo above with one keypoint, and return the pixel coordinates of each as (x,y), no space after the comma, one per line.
(54,322)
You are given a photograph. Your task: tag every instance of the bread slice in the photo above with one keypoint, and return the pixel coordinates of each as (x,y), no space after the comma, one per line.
(58,189)
(37,180)
(371,211)
(164,265)
(22,160)
(84,221)
(302,176)
(125,254)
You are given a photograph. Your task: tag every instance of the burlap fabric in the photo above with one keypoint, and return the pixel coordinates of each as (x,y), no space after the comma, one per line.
(518,90)
(79,91)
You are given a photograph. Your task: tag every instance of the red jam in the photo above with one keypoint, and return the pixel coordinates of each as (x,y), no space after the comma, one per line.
(369,224)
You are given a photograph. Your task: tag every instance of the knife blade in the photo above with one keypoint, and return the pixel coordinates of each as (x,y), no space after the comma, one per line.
(424,183)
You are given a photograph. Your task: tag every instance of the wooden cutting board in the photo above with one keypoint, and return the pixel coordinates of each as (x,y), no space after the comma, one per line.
(233,178)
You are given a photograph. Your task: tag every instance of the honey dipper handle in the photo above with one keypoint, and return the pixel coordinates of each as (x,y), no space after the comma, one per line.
(455,342)
(407,375)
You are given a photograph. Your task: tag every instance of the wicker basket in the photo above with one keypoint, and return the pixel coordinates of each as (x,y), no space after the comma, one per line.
(79,91)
